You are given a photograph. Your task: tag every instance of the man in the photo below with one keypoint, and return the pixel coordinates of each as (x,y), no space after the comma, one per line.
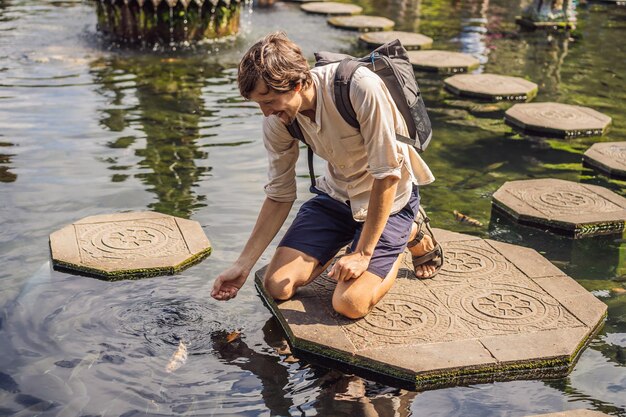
(368,196)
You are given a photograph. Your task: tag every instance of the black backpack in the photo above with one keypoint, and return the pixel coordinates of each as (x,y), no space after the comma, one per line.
(391,63)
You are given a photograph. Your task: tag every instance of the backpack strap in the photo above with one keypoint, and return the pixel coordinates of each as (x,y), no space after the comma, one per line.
(296,132)
(346,69)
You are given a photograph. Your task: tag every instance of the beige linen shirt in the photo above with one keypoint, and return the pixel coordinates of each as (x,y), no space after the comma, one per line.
(354,157)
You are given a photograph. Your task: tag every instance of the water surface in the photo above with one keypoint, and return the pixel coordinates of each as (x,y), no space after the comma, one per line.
(87,128)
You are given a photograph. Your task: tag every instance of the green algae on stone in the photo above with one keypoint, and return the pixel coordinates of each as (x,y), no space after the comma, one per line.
(129,245)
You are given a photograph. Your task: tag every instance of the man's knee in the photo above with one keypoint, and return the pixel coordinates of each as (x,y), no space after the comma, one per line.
(351,305)
(279,288)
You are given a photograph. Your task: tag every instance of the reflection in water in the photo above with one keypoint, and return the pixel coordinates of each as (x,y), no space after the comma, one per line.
(406,13)
(474,29)
(339,394)
(5,161)
(589,258)
(168,112)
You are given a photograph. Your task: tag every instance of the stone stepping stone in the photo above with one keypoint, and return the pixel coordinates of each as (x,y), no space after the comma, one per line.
(573,413)
(492,87)
(331,8)
(565,207)
(562,120)
(495,312)
(362,23)
(443,61)
(410,40)
(607,157)
(129,245)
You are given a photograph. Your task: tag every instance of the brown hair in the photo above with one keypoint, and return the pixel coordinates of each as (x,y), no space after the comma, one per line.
(277,61)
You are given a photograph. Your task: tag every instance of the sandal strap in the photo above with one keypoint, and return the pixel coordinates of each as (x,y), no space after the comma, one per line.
(418,238)
(434,255)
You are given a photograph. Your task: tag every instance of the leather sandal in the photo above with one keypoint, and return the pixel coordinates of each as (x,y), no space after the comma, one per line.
(435,256)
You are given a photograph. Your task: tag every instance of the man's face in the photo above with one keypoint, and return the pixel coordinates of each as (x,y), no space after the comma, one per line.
(284,105)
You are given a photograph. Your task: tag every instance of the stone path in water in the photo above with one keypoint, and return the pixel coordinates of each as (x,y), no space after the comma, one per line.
(607,157)
(558,119)
(566,207)
(331,8)
(495,312)
(362,23)
(410,40)
(491,87)
(443,61)
(129,245)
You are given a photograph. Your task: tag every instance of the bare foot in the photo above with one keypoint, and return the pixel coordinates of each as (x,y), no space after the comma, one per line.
(422,248)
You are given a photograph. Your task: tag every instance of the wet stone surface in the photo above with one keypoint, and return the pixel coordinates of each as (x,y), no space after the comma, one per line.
(410,40)
(443,61)
(129,245)
(362,23)
(556,119)
(607,157)
(562,206)
(492,87)
(331,8)
(495,312)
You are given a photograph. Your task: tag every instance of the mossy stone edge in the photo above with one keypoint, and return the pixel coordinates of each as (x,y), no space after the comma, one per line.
(562,228)
(132,273)
(555,367)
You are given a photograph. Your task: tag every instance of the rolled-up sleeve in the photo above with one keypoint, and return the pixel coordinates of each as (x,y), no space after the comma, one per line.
(282,153)
(373,106)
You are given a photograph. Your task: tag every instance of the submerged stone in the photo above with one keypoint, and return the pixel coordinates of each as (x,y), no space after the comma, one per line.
(607,157)
(410,40)
(562,120)
(362,23)
(443,61)
(129,245)
(565,207)
(331,8)
(492,87)
(495,312)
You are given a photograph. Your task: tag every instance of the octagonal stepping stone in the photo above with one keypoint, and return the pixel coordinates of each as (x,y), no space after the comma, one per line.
(492,87)
(495,312)
(331,8)
(362,23)
(573,413)
(129,245)
(565,207)
(562,120)
(443,61)
(607,157)
(410,40)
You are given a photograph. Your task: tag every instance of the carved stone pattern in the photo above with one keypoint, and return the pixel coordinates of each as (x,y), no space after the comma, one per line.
(470,260)
(502,308)
(556,114)
(617,152)
(323,284)
(401,319)
(129,240)
(566,200)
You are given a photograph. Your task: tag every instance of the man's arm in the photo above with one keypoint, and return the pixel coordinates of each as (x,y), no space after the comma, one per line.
(271,218)
(381,200)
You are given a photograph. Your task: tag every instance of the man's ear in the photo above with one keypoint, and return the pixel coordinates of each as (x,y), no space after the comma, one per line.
(298,87)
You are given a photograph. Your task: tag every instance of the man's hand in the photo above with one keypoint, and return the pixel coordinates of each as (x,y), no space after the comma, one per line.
(350,266)
(228,283)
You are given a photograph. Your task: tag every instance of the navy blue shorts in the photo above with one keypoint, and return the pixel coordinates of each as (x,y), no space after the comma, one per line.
(324,225)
